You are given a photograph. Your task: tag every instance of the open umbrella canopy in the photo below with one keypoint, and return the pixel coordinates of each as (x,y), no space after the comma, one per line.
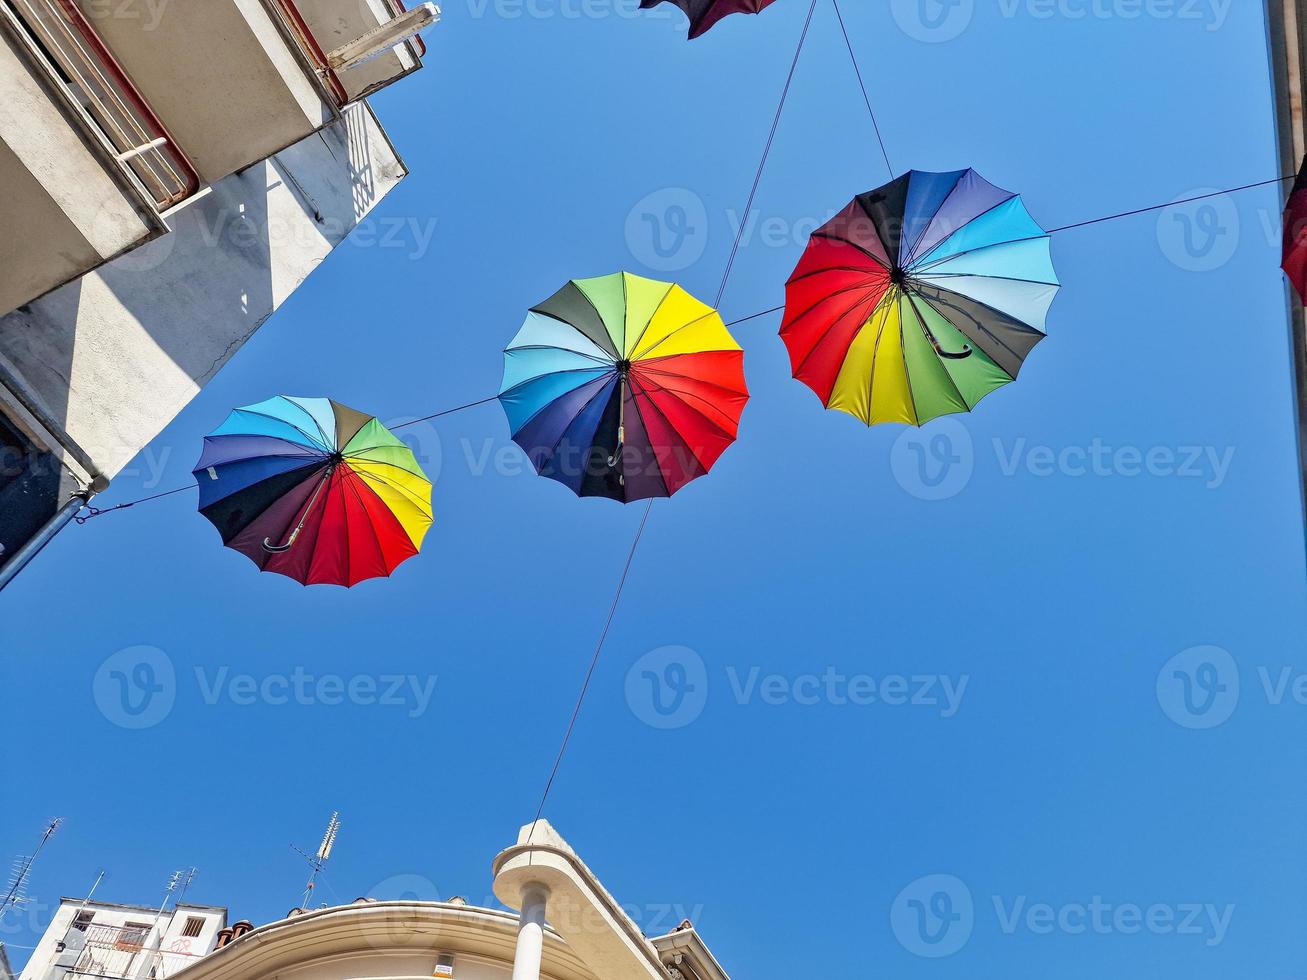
(623,387)
(1295,235)
(704,14)
(919,298)
(310,489)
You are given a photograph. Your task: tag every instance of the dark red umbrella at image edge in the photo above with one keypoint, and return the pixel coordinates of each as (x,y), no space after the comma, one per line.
(1295,235)
(704,14)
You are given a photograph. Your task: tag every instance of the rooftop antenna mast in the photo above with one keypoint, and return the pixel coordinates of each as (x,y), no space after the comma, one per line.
(21,873)
(319,860)
(177,880)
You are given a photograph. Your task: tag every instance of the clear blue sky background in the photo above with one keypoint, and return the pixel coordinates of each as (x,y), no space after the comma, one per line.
(786,830)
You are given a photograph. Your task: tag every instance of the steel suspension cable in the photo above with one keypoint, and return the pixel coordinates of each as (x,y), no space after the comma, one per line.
(644,519)
(863,85)
(94,512)
(766,153)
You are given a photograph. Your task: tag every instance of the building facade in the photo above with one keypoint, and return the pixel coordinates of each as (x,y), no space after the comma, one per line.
(173,172)
(560,924)
(103,941)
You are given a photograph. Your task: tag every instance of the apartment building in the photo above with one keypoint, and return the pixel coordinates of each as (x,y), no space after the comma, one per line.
(559,923)
(173,170)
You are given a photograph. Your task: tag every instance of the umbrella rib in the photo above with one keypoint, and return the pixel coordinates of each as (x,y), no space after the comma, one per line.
(397,487)
(658,470)
(550,374)
(372,528)
(875,353)
(326,450)
(589,357)
(827,298)
(985,330)
(314,419)
(943,204)
(911,251)
(829,329)
(673,393)
(918,270)
(588,402)
(921,322)
(1021,325)
(834,268)
(640,356)
(652,316)
(865,251)
(644,369)
(907,375)
(675,431)
(980,275)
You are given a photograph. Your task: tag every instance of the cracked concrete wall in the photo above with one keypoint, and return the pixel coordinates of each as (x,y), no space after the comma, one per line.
(114,356)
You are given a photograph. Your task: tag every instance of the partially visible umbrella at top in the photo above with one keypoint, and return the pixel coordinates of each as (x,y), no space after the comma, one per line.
(311,489)
(704,14)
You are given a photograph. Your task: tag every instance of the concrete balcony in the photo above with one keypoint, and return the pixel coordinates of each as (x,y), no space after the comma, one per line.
(238,80)
(72,200)
(335,25)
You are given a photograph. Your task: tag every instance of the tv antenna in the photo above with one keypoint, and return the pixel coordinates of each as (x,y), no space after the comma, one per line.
(21,873)
(319,860)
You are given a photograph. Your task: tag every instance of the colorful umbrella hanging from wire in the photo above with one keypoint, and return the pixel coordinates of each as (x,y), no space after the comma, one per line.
(704,14)
(623,387)
(919,298)
(310,489)
(1295,235)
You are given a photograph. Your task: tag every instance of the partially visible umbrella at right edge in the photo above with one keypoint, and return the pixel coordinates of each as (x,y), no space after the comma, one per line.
(1295,235)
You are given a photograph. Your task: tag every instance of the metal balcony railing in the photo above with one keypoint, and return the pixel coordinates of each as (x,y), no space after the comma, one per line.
(89,70)
(130,952)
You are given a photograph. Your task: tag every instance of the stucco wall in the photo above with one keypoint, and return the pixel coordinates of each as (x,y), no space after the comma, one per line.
(114,356)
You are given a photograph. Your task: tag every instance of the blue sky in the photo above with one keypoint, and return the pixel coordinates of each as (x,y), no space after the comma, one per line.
(974,670)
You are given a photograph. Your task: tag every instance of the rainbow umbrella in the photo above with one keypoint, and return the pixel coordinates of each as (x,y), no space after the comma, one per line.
(308,488)
(623,387)
(704,14)
(919,299)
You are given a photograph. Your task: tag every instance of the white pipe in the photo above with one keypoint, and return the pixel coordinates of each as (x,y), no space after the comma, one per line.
(531,933)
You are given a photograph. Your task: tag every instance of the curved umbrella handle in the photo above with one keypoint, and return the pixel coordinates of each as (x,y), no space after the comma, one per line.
(278,549)
(954,355)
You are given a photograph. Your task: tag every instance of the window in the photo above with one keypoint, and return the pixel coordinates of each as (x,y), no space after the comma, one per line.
(194,926)
(83,921)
